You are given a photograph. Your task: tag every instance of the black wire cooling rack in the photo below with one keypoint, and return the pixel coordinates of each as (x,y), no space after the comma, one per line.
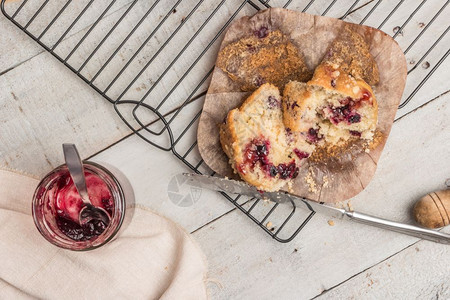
(153,61)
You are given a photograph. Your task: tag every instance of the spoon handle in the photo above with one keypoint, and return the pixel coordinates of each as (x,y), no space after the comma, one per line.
(76,170)
(423,233)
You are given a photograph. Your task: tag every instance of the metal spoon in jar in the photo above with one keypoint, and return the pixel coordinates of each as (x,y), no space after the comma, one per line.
(88,212)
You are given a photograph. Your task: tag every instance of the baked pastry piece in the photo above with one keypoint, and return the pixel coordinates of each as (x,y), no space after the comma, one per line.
(332,115)
(336,104)
(259,147)
(265,57)
(351,53)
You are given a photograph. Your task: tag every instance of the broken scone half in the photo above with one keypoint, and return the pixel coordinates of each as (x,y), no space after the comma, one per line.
(337,104)
(335,114)
(261,151)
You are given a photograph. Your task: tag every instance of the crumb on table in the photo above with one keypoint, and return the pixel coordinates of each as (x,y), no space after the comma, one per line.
(349,205)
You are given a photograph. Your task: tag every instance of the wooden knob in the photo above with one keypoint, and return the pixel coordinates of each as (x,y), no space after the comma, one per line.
(433,210)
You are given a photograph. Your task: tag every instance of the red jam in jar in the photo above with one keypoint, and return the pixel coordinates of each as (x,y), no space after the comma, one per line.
(68,204)
(57,204)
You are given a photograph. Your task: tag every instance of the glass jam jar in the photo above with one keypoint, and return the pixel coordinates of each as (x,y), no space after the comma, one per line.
(56,205)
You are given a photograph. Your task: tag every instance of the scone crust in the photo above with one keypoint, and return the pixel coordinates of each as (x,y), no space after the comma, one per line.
(253,61)
(350,52)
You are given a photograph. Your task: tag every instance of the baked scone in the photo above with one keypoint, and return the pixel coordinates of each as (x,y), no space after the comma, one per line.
(261,151)
(351,53)
(336,104)
(330,114)
(265,57)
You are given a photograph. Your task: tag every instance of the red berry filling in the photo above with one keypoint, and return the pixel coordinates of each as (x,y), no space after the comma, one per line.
(355,133)
(262,32)
(289,136)
(257,152)
(343,113)
(348,101)
(356,103)
(366,96)
(333,83)
(273,102)
(293,105)
(313,136)
(259,81)
(347,112)
(356,118)
(287,170)
(251,48)
(301,154)
(68,204)
(76,232)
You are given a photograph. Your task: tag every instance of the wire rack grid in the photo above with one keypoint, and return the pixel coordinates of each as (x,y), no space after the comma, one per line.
(153,61)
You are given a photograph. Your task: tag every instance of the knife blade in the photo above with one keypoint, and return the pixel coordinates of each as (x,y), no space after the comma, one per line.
(242,188)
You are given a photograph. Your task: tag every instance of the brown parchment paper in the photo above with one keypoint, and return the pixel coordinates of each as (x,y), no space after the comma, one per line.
(345,175)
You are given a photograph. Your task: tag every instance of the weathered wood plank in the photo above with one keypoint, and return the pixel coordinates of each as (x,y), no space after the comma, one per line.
(418,272)
(16,46)
(46,107)
(158,184)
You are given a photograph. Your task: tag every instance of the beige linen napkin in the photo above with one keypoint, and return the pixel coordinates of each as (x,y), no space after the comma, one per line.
(152,257)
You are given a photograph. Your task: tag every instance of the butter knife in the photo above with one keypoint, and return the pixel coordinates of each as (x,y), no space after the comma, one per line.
(239,187)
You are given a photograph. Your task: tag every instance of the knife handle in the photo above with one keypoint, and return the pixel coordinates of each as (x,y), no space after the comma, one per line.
(423,233)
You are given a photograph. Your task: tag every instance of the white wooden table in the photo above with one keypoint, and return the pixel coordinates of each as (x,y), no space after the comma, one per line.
(43,104)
